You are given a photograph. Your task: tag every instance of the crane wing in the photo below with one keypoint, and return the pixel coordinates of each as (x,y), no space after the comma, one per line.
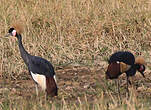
(125,57)
(41,66)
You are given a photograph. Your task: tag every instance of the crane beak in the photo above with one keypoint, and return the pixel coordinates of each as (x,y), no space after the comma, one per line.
(142,74)
(7,35)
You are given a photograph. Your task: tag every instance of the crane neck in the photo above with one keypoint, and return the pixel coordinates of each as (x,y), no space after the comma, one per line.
(24,54)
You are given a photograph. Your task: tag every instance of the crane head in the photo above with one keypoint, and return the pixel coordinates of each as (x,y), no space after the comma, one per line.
(141,70)
(11,32)
(14,30)
(140,65)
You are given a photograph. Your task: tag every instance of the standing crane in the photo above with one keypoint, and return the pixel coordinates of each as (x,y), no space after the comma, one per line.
(124,62)
(41,70)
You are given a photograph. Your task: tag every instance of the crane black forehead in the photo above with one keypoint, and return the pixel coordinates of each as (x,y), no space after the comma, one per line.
(10,30)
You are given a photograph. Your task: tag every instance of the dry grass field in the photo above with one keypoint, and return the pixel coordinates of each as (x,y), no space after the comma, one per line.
(77,37)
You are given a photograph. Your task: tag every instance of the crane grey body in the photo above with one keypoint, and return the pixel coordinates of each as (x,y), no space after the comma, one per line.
(41,70)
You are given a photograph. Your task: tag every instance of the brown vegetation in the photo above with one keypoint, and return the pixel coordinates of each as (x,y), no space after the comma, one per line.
(77,37)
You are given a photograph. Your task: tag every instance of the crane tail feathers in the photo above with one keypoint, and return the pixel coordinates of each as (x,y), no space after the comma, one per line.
(51,87)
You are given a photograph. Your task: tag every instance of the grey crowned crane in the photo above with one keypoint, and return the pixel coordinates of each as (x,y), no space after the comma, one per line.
(124,62)
(41,70)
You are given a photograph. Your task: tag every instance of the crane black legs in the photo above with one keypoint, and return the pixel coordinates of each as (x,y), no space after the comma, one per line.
(118,87)
(128,82)
(118,90)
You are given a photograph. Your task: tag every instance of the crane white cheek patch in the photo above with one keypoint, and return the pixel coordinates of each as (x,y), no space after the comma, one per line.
(40,79)
(14,33)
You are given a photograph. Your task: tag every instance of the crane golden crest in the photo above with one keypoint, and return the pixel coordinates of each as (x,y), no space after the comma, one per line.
(18,27)
(139,60)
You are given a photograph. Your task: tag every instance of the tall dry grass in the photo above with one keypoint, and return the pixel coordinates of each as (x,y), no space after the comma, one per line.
(102,103)
(74,31)
(81,32)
